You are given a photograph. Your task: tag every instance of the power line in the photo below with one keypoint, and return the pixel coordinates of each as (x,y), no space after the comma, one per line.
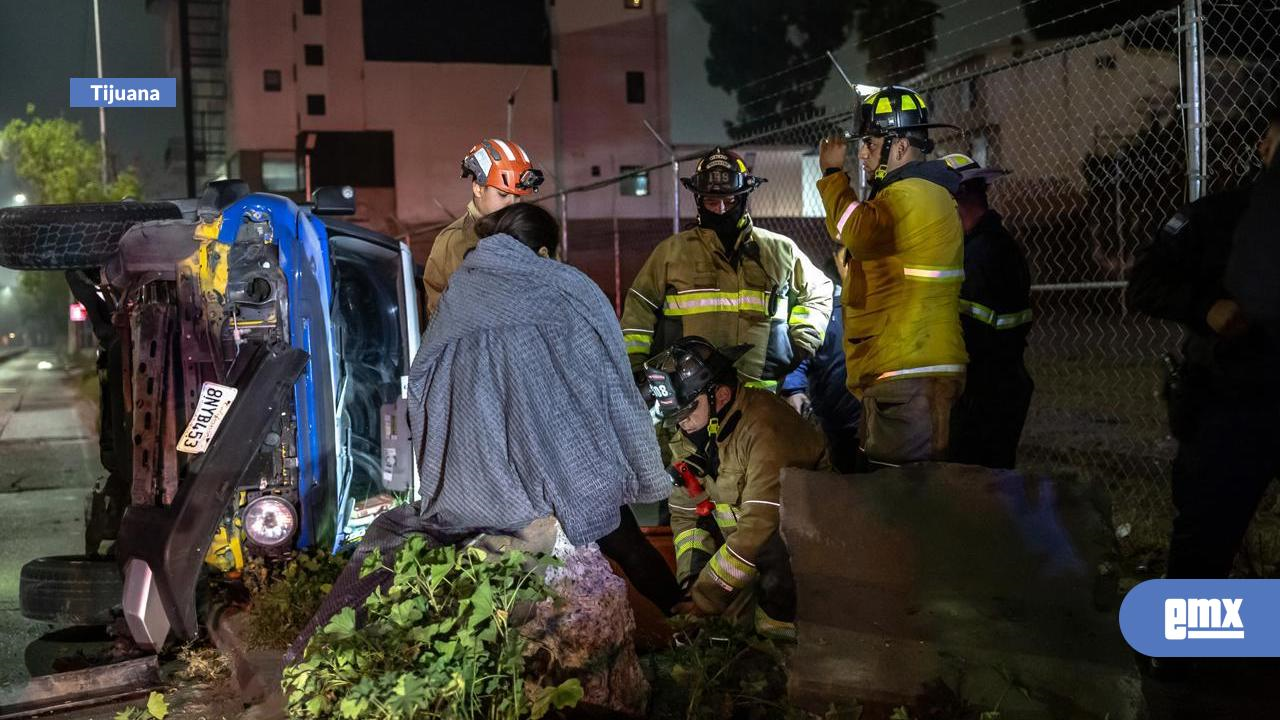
(933,39)
(997,41)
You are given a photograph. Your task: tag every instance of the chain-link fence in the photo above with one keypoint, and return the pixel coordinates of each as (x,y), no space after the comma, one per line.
(1094,130)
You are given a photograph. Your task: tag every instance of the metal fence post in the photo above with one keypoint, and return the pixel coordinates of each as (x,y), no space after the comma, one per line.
(1194,102)
(564,227)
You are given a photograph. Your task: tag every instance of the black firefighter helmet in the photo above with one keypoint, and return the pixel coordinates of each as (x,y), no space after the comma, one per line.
(690,367)
(893,110)
(721,173)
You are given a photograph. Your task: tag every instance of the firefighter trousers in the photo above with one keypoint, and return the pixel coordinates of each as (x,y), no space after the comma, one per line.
(908,420)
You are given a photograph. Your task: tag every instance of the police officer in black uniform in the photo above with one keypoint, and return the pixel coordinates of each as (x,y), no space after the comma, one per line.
(1221,393)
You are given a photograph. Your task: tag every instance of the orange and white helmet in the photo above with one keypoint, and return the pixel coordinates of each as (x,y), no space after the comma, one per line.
(502,164)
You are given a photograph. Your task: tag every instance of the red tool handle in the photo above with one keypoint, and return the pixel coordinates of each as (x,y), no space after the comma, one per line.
(693,486)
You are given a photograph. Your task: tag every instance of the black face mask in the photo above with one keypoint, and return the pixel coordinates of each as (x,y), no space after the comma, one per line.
(724,226)
(700,439)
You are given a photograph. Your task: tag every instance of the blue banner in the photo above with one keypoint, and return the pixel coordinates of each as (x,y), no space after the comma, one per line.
(1203,618)
(124,92)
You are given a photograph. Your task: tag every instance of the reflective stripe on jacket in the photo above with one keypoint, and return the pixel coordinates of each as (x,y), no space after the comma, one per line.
(761,435)
(902,298)
(772,297)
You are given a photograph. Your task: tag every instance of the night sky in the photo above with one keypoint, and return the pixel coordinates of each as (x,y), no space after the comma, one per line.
(43,44)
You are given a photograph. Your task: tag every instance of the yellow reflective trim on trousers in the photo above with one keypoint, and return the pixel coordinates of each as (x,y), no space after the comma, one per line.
(731,570)
(985,314)
(928,370)
(726,516)
(694,539)
(698,302)
(933,273)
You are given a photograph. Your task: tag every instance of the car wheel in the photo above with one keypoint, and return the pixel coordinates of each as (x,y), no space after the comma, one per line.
(70,590)
(70,237)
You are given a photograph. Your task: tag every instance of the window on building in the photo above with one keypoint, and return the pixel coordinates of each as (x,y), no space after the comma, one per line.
(595,171)
(310,7)
(633,4)
(313,54)
(315,104)
(635,185)
(635,87)
(271,80)
(280,171)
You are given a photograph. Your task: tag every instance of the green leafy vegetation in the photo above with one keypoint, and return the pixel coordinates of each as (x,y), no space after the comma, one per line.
(156,708)
(719,670)
(441,641)
(283,603)
(56,164)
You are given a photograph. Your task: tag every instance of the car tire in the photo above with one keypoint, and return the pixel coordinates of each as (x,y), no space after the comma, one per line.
(71,237)
(70,590)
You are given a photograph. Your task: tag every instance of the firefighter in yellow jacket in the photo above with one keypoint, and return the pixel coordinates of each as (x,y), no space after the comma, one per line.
(729,555)
(728,281)
(903,345)
(501,173)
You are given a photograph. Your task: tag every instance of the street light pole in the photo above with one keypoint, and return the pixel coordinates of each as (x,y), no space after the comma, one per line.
(102,111)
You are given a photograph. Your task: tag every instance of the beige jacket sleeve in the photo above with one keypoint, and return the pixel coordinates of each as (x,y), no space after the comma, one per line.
(447,252)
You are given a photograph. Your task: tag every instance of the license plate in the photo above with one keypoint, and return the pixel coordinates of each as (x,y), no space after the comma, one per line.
(214,402)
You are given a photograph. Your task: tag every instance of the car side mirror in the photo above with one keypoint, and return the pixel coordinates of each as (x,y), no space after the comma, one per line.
(334,200)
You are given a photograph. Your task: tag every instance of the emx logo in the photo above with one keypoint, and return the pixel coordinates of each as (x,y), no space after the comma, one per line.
(1203,619)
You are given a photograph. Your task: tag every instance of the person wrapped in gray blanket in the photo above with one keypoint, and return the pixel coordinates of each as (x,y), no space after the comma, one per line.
(522,403)
(522,407)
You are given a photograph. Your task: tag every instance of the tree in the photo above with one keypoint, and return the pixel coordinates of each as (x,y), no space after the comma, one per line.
(897,37)
(58,165)
(751,40)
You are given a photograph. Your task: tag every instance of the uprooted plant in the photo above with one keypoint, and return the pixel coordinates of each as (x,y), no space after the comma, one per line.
(718,670)
(441,641)
(284,601)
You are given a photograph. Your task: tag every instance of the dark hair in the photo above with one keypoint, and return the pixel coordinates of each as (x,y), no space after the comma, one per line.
(526,222)
(974,191)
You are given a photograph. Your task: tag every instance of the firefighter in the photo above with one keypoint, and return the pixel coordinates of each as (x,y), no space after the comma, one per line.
(728,281)
(737,439)
(501,173)
(1221,395)
(995,315)
(903,346)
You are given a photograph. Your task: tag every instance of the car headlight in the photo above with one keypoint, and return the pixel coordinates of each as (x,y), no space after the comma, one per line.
(270,521)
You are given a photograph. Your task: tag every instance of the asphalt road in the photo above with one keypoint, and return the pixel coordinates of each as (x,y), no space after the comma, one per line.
(48,465)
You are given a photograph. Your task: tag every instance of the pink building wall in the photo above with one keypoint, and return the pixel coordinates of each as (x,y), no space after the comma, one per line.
(436,111)
(597,43)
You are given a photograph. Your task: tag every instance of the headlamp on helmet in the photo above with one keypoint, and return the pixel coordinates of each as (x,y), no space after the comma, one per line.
(502,164)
